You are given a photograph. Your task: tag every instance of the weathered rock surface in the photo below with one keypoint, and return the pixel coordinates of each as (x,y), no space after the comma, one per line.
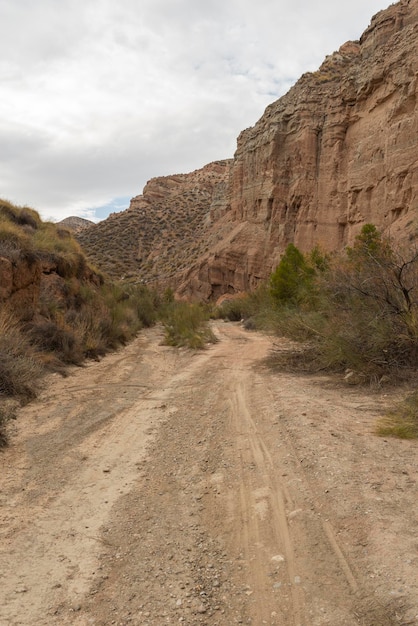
(339,150)
(336,152)
(27,281)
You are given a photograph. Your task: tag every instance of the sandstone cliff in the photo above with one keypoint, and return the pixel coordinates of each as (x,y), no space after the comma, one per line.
(340,149)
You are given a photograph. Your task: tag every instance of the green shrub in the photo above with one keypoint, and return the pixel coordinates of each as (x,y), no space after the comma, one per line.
(187,325)
(292,278)
(358,309)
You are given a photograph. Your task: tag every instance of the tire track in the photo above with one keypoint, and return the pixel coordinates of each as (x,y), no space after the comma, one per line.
(255,454)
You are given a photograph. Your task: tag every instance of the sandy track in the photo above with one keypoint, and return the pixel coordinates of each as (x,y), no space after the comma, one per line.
(164,487)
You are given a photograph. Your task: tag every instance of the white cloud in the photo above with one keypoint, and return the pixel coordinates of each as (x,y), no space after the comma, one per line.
(97,96)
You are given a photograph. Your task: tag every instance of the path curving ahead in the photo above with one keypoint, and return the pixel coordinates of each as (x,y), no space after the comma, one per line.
(164,486)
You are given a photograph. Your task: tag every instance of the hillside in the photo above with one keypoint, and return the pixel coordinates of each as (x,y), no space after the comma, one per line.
(339,150)
(164,229)
(55,308)
(75,224)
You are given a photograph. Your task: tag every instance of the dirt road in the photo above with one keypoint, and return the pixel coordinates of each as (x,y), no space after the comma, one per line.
(169,487)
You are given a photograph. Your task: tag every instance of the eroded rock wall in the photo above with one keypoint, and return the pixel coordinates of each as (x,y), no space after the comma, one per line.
(338,151)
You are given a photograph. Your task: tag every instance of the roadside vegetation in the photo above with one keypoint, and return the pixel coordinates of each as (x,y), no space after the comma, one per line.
(55,308)
(355,312)
(186,325)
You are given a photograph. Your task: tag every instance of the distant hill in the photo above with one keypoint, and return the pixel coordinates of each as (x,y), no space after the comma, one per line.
(75,224)
(164,230)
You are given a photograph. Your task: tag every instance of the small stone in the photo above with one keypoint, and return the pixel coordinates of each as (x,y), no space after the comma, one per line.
(278,558)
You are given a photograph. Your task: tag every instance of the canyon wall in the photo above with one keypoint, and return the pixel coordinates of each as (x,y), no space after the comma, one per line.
(339,150)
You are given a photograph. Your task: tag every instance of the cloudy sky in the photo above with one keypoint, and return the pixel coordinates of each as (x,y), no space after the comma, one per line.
(98,96)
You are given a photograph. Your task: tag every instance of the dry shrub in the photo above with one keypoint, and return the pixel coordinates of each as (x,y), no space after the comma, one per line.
(401,421)
(13,237)
(187,325)
(20,371)
(359,313)
(58,338)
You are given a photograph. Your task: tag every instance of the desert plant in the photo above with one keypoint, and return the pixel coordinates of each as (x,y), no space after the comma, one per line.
(402,420)
(292,277)
(372,305)
(358,309)
(187,325)
(20,370)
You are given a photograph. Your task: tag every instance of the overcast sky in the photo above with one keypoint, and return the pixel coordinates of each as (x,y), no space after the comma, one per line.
(98,96)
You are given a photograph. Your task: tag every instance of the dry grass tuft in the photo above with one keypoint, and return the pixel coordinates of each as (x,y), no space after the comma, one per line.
(401,421)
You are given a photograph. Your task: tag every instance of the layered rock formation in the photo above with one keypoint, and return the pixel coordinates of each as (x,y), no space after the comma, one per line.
(340,149)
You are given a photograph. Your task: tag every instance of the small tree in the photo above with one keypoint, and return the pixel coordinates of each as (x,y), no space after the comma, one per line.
(292,277)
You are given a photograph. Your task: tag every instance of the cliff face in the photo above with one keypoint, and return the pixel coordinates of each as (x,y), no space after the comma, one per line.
(339,150)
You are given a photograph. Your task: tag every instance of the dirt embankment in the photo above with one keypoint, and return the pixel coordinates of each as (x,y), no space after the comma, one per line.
(165,487)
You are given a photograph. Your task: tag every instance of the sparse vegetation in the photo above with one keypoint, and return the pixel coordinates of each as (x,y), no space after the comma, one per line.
(158,237)
(187,325)
(355,311)
(402,420)
(69,314)
(20,371)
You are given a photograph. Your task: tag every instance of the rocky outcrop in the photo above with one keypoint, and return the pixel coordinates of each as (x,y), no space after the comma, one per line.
(339,150)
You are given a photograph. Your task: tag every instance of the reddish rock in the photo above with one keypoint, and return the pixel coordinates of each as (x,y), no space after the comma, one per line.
(25,273)
(6,278)
(338,151)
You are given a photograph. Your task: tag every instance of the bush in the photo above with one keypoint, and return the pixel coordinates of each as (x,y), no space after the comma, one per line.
(187,325)
(22,216)
(358,309)
(12,237)
(292,278)
(51,336)
(20,371)
(372,309)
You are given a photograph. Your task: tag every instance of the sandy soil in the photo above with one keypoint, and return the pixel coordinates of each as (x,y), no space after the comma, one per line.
(162,487)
